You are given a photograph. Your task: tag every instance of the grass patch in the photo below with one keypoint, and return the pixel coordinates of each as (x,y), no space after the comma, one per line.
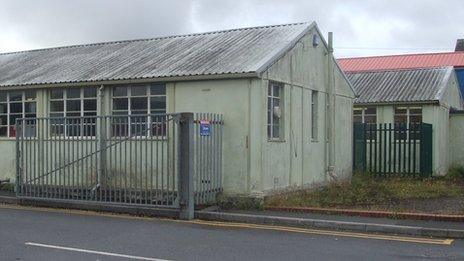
(7,186)
(364,191)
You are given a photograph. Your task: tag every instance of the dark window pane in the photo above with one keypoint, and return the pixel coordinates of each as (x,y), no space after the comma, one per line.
(276,91)
(2,96)
(400,111)
(120,113)
(276,102)
(73,114)
(90,113)
(90,92)
(139,90)
(12,131)
(16,96)
(415,111)
(16,107)
(158,112)
(13,118)
(400,119)
(369,119)
(275,131)
(158,103)
(30,95)
(120,91)
(3,108)
(139,104)
(158,89)
(30,115)
(56,94)
(370,110)
(357,112)
(73,105)
(3,131)
(357,119)
(30,107)
(90,105)
(56,114)
(56,106)
(73,93)
(120,103)
(415,118)
(138,112)
(3,120)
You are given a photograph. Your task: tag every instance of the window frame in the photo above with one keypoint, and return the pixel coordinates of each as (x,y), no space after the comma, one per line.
(84,127)
(151,113)
(270,113)
(408,115)
(11,128)
(364,114)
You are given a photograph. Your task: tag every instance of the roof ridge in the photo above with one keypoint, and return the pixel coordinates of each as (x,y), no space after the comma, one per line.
(399,69)
(399,55)
(155,38)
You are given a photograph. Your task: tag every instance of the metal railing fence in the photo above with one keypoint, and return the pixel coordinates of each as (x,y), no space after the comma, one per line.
(393,149)
(131,159)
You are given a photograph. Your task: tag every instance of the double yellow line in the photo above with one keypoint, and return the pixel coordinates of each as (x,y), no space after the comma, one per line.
(420,240)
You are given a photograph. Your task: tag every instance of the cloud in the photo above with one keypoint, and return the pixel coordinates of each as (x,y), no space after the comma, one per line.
(360,27)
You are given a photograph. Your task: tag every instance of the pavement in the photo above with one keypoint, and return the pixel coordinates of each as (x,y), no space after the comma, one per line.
(28,233)
(344,218)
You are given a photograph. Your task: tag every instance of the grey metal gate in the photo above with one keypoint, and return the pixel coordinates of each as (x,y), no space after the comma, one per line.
(136,159)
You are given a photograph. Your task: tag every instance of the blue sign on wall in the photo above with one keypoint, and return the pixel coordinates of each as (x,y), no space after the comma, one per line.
(205,128)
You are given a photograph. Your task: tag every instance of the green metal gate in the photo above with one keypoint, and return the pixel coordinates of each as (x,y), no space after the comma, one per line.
(389,149)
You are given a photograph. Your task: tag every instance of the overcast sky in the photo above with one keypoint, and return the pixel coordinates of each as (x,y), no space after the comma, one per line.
(361,27)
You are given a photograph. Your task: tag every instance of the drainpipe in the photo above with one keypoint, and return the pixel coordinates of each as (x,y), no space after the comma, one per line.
(331,109)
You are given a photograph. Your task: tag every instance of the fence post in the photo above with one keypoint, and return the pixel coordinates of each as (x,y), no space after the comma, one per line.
(426,149)
(185,166)
(359,147)
(100,130)
(19,131)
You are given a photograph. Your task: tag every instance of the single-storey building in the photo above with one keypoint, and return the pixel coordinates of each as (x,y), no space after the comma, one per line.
(286,103)
(409,89)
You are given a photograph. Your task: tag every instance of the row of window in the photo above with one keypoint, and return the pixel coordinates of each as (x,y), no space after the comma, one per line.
(404,115)
(275,112)
(79,102)
(408,115)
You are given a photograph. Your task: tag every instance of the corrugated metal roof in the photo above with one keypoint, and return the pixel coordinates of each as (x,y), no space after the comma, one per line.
(243,50)
(408,61)
(412,85)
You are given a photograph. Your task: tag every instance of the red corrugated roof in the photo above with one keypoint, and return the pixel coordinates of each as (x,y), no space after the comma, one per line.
(406,61)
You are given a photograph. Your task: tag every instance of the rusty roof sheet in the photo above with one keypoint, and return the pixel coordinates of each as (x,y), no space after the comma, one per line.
(400,86)
(407,61)
(237,51)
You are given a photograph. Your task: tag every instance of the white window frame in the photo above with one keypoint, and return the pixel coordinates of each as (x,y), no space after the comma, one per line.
(82,112)
(364,114)
(408,112)
(148,95)
(271,113)
(23,109)
(408,116)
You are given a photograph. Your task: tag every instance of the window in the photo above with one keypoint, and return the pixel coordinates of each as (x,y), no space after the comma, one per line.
(73,103)
(314,114)
(408,115)
(274,110)
(15,105)
(139,100)
(365,115)
(411,117)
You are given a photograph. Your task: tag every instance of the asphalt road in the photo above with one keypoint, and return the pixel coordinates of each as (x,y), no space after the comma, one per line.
(41,234)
